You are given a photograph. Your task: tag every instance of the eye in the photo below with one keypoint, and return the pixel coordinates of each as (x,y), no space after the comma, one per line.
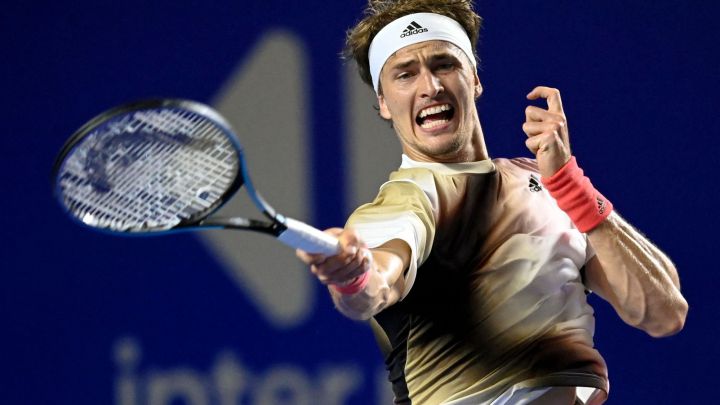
(445,66)
(403,75)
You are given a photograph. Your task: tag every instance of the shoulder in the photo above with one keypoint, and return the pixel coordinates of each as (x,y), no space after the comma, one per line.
(520,164)
(417,175)
(408,187)
(406,190)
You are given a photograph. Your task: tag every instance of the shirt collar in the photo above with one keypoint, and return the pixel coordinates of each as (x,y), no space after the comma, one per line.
(479,167)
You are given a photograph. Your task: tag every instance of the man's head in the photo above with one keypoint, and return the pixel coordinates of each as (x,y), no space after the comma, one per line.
(380,13)
(420,59)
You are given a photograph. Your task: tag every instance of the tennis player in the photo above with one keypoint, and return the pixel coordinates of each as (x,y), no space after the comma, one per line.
(474,271)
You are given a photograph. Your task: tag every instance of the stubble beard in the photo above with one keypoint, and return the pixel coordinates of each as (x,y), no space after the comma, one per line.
(447,151)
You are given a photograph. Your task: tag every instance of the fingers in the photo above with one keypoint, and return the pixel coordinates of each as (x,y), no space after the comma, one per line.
(548,137)
(551,121)
(533,143)
(537,114)
(550,125)
(543,144)
(341,275)
(353,259)
(542,122)
(316,258)
(551,95)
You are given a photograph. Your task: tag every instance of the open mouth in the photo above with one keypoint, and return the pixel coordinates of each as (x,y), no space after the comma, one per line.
(435,116)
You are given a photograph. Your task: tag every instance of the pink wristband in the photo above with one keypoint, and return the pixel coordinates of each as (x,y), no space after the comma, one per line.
(575,195)
(355,286)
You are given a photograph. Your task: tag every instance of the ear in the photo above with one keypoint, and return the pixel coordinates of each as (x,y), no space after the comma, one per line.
(384,110)
(478,86)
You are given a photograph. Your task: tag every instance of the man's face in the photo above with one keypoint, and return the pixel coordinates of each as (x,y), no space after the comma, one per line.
(429,91)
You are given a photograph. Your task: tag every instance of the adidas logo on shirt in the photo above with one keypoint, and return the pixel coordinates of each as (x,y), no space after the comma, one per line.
(534,185)
(412,29)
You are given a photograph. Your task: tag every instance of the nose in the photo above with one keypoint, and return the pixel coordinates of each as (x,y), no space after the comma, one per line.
(430,85)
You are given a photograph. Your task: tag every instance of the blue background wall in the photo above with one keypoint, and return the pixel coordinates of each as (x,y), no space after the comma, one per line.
(93,319)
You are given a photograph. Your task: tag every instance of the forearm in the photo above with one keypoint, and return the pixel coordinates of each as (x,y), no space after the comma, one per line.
(637,278)
(384,287)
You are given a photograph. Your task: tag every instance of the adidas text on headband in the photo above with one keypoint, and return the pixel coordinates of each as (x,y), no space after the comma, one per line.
(412,29)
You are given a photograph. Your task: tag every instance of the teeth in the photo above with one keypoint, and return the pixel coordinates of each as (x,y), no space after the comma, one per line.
(434,110)
(433,124)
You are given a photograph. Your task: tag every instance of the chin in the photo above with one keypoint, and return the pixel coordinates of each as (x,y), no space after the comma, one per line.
(444,150)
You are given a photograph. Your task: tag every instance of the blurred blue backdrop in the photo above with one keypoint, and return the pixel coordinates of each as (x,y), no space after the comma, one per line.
(94,319)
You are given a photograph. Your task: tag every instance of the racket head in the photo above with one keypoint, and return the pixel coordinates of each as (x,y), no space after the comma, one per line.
(148,167)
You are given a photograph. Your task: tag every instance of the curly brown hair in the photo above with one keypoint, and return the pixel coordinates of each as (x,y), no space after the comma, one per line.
(380,13)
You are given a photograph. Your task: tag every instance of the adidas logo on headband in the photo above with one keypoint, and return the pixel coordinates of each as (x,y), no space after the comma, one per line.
(387,41)
(412,29)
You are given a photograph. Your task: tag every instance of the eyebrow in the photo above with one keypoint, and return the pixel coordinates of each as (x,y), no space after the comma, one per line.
(404,65)
(433,58)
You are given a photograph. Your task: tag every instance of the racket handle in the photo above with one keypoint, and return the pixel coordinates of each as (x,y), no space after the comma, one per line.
(312,240)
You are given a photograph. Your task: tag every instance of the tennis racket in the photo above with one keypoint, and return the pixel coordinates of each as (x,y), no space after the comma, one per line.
(159,166)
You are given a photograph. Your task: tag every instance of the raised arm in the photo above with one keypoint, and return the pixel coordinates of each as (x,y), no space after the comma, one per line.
(628,271)
(362,281)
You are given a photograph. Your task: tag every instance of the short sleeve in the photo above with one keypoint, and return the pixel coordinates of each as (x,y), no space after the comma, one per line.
(403,209)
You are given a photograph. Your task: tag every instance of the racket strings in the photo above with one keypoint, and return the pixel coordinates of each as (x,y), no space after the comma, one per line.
(160,168)
(119,205)
(159,198)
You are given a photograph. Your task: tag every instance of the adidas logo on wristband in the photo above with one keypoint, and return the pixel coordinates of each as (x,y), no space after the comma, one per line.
(601,205)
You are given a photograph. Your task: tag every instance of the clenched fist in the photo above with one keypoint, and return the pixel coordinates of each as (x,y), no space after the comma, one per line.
(353,260)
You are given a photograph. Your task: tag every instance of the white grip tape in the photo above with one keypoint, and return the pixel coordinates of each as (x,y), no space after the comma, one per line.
(312,240)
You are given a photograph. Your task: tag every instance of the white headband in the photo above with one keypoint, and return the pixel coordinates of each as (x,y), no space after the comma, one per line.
(411,29)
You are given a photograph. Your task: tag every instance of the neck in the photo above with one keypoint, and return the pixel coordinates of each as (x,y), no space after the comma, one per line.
(476,149)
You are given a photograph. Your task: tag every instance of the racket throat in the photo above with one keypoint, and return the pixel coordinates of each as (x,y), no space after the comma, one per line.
(245,224)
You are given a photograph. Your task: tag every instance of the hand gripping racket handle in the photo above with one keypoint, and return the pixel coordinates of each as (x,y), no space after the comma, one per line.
(303,236)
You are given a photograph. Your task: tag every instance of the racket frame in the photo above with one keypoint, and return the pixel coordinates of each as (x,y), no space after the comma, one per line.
(202,220)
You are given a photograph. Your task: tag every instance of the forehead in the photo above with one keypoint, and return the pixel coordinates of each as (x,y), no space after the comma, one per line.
(426,49)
